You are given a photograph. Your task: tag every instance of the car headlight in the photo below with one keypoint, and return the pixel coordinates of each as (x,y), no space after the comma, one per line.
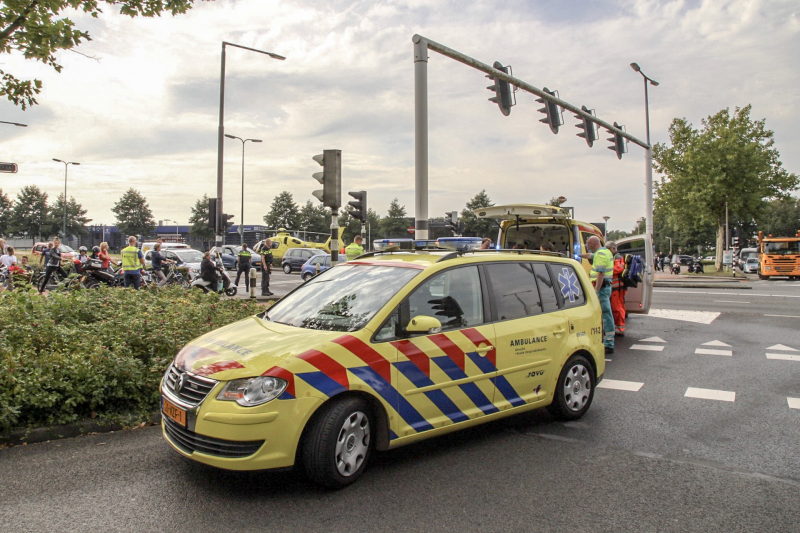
(249,392)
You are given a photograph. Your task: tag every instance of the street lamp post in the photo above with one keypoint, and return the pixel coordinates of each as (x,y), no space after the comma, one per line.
(241,220)
(605,228)
(648,155)
(66,165)
(14,124)
(670,246)
(221,128)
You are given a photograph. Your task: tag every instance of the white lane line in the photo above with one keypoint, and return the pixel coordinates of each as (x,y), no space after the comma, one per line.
(653,339)
(733,292)
(794,403)
(710,394)
(708,351)
(698,317)
(782,348)
(786,316)
(608,359)
(716,343)
(647,347)
(783,357)
(616,384)
(731,302)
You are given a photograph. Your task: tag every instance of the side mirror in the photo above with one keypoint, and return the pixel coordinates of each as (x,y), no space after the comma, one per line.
(424,324)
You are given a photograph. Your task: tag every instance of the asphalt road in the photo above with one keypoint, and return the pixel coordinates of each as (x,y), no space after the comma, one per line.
(646,457)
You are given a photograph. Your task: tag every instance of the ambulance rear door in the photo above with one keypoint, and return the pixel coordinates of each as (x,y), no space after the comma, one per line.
(637,300)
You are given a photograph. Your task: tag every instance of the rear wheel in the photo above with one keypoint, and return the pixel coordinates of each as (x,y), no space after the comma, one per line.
(231,291)
(575,389)
(307,276)
(287,268)
(339,443)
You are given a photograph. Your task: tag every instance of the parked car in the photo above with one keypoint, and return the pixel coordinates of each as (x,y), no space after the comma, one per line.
(686,260)
(183,257)
(230,257)
(309,269)
(751,265)
(67,253)
(294,258)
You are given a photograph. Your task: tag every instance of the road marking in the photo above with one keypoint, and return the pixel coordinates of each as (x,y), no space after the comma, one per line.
(707,351)
(700,317)
(615,384)
(608,359)
(783,357)
(710,394)
(733,292)
(653,339)
(647,347)
(716,343)
(794,403)
(786,316)
(731,302)
(782,347)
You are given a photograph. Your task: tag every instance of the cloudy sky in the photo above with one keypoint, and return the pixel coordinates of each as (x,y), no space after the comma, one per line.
(142,109)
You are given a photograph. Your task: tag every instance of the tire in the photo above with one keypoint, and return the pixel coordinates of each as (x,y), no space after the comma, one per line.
(231,291)
(338,443)
(91,284)
(306,276)
(287,268)
(575,389)
(761,277)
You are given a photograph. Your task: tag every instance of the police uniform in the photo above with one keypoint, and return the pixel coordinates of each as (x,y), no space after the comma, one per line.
(266,269)
(131,265)
(603,261)
(244,259)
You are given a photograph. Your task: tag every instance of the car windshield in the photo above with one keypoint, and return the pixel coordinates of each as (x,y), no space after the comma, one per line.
(782,248)
(189,256)
(344,298)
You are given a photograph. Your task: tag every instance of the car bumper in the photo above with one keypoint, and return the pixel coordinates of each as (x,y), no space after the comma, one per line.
(225,435)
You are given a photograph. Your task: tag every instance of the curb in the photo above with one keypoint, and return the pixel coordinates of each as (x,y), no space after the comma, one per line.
(85,427)
(700,285)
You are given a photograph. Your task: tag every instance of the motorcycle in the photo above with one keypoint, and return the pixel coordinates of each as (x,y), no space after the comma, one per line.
(696,267)
(223,284)
(676,268)
(94,275)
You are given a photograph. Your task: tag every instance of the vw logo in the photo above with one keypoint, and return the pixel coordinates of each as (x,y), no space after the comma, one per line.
(180,381)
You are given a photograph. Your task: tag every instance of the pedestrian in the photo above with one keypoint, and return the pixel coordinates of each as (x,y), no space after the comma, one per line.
(132,264)
(45,255)
(104,256)
(24,262)
(354,249)
(244,257)
(53,263)
(266,266)
(8,258)
(208,271)
(486,243)
(157,263)
(602,271)
(618,291)
(2,246)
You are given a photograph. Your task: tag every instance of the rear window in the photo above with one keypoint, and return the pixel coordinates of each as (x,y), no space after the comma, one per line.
(532,236)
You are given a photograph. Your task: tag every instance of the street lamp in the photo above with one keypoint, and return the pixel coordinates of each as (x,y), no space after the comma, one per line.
(221,127)
(14,124)
(241,226)
(670,246)
(605,229)
(66,164)
(648,155)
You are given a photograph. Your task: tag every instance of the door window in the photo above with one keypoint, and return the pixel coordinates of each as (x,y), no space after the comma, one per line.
(452,296)
(546,288)
(568,286)
(514,290)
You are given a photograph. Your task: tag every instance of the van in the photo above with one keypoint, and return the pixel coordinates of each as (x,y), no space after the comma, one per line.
(533,225)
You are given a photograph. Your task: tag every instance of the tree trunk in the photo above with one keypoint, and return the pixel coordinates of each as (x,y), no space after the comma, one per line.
(720,244)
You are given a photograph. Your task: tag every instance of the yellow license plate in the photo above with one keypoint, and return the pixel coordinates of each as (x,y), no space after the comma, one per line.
(174,412)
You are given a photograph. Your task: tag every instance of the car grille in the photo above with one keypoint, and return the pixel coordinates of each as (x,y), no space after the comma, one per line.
(191,442)
(195,388)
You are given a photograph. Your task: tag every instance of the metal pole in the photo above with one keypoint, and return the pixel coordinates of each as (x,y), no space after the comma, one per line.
(420,137)
(648,162)
(334,237)
(64,229)
(220,148)
(241,228)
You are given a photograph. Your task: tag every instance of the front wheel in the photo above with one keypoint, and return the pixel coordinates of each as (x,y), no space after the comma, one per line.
(287,268)
(231,291)
(339,443)
(575,389)
(307,276)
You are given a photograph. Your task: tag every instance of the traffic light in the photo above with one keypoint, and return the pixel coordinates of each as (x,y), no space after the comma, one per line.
(735,241)
(359,205)
(451,221)
(212,214)
(226,221)
(552,116)
(589,132)
(618,143)
(331,178)
(503,96)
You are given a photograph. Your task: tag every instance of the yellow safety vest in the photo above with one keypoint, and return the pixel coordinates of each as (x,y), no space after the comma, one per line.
(130,259)
(353,250)
(603,262)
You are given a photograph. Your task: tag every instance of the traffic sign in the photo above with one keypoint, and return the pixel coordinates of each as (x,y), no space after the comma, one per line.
(9,168)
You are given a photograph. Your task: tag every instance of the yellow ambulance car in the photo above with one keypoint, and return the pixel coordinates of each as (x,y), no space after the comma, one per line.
(383,351)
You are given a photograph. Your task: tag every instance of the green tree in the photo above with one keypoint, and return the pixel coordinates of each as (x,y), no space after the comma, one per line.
(133,214)
(780,217)
(5,214)
(30,215)
(315,219)
(373,227)
(731,161)
(395,224)
(199,220)
(76,218)
(283,212)
(474,226)
(38,30)
(352,226)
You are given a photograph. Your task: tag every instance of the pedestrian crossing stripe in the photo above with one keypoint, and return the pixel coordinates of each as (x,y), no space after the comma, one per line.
(782,347)
(710,394)
(647,347)
(653,339)
(716,343)
(615,384)
(708,351)
(794,403)
(783,357)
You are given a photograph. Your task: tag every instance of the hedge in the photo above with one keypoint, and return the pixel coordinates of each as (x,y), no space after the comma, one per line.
(97,353)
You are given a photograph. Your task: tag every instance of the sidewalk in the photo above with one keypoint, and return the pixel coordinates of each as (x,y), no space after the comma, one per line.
(700,281)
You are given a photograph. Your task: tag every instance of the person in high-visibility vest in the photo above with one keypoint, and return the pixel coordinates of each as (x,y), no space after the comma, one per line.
(354,249)
(243,260)
(601,273)
(266,266)
(132,264)
(618,291)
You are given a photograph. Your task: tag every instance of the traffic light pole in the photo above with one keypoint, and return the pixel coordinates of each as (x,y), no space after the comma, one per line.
(334,237)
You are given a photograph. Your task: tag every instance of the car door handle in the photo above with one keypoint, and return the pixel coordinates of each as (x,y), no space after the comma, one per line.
(483,350)
(559,331)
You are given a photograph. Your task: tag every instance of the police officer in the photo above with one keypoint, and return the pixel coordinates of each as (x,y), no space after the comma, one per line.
(354,249)
(244,259)
(132,264)
(601,274)
(266,266)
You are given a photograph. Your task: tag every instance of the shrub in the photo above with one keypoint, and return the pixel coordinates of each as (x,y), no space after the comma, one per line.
(97,353)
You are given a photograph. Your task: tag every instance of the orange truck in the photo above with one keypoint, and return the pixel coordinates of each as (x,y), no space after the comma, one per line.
(778,256)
